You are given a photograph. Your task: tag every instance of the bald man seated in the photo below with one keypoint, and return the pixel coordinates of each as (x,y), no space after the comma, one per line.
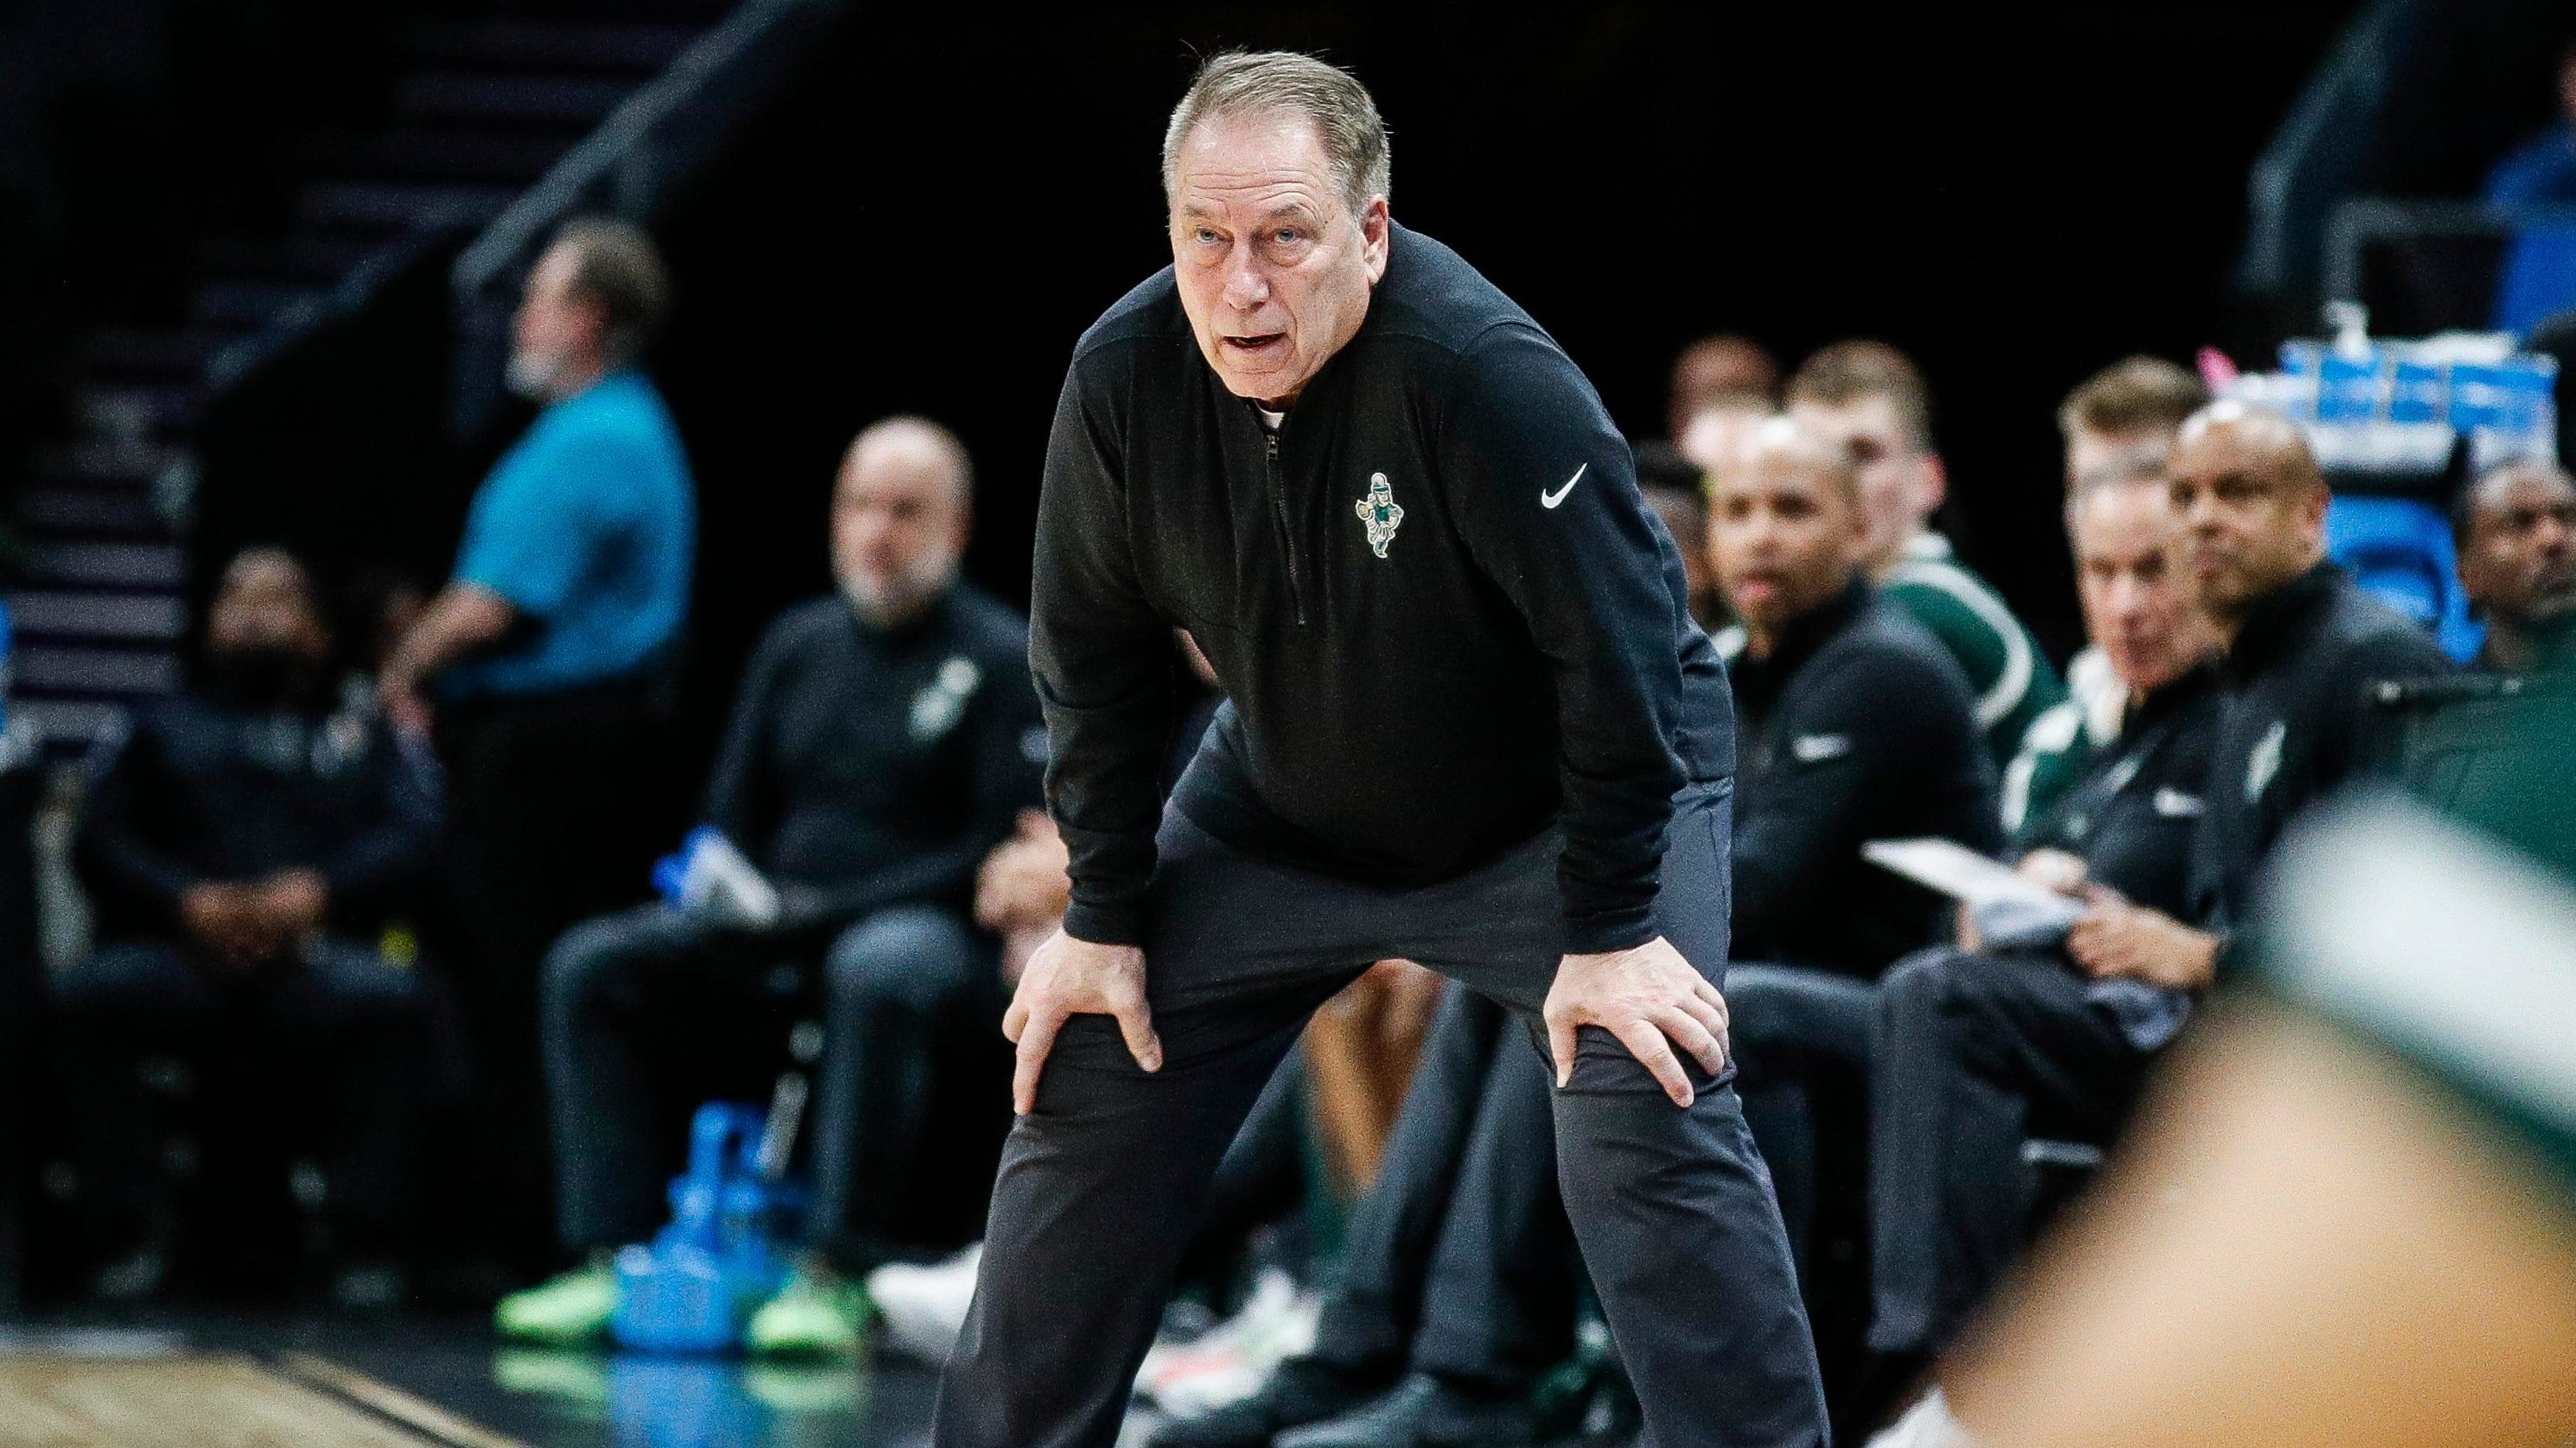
(2516,533)
(884,741)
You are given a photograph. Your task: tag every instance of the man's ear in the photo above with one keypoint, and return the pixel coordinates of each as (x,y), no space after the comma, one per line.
(1931,485)
(2312,507)
(1374,220)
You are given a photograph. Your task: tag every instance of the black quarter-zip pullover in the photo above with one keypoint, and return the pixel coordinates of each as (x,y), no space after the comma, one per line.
(1440,611)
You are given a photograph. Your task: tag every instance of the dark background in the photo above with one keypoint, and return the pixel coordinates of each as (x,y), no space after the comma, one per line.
(2016,194)
(943,196)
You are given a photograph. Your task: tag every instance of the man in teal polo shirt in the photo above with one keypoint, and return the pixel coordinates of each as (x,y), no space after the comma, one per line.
(546,658)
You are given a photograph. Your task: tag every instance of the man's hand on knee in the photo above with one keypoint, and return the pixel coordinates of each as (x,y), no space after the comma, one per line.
(1648,997)
(1066,978)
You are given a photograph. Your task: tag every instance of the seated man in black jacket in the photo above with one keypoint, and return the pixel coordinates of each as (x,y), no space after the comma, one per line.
(248,847)
(1970,1042)
(1854,725)
(2301,646)
(884,741)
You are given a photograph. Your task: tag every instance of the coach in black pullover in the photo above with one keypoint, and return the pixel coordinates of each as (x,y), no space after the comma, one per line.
(1441,611)
(1469,722)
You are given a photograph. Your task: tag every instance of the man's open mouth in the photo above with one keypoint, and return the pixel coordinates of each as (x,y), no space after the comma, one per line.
(1257,344)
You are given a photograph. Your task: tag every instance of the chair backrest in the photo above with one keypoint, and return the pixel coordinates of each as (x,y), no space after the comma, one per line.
(2538,276)
(2400,549)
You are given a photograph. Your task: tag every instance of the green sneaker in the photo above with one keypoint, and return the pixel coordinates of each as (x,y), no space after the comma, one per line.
(815,1315)
(573,1308)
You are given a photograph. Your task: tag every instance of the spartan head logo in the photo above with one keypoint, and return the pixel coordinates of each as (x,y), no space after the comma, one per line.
(1379,511)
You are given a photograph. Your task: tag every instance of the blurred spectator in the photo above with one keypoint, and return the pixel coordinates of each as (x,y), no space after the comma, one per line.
(2303,643)
(549,656)
(2542,170)
(882,745)
(2136,404)
(1725,368)
(1853,725)
(251,854)
(2356,1173)
(2117,424)
(1972,1044)
(1870,398)
(2515,530)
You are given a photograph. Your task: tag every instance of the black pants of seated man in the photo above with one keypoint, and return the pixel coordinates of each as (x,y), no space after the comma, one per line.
(337,1045)
(1972,1052)
(903,989)
(1100,1186)
(1459,1263)
(1801,1040)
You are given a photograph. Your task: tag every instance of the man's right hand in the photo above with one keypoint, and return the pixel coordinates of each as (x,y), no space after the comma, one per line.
(1067,978)
(224,920)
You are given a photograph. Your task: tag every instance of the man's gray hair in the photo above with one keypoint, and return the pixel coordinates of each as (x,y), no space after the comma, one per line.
(1250,82)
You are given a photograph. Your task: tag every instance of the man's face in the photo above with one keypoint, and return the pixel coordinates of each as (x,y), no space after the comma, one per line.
(1900,482)
(1274,269)
(559,330)
(2140,608)
(898,526)
(2518,562)
(265,605)
(1783,533)
(2253,507)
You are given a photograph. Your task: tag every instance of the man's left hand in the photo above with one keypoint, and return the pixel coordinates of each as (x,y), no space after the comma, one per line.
(2114,938)
(1648,997)
(293,903)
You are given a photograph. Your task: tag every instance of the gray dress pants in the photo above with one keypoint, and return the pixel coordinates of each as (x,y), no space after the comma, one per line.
(1100,1186)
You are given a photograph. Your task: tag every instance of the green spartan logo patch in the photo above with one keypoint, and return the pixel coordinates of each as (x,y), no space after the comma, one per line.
(1379,511)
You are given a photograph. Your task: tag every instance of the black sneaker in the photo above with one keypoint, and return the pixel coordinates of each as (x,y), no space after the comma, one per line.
(1426,1412)
(1300,1391)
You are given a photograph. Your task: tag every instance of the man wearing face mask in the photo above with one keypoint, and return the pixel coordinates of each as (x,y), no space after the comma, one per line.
(249,849)
(547,661)
(883,742)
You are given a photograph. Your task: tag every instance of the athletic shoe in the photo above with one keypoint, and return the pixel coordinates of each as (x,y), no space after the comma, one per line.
(1425,1412)
(1927,1424)
(1231,1360)
(815,1315)
(923,1309)
(572,1308)
(1302,1390)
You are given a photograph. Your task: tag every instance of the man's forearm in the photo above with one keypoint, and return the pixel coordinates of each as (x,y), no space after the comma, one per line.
(464,618)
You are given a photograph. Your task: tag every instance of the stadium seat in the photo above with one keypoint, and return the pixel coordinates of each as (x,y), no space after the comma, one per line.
(2400,549)
(2538,276)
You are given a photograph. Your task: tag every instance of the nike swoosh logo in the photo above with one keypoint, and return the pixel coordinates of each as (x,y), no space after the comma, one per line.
(1547,499)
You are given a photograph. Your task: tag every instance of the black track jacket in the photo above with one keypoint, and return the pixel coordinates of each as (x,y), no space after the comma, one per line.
(1440,611)
(2298,723)
(1859,726)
